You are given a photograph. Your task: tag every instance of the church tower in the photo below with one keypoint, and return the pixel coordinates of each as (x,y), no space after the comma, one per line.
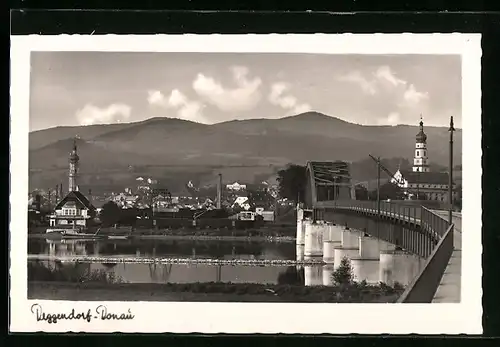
(73,168)
(421,161)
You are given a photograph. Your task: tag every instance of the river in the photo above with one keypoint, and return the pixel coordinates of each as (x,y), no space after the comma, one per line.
(403,269)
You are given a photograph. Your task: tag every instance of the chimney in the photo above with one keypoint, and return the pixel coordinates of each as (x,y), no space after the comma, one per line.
(61,191)
(90,195)
(57,193)
(219,192)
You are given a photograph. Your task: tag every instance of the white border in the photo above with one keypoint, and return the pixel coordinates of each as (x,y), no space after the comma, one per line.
(183,317)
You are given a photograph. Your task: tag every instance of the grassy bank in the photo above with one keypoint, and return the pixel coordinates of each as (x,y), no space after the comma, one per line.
(248,292)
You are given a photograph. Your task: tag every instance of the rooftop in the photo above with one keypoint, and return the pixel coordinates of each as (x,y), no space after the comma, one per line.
(425,177)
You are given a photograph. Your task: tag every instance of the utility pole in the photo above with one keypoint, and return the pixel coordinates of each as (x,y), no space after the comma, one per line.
(378,186)
(219,192)
(418,184)
(450,176)
(48,200)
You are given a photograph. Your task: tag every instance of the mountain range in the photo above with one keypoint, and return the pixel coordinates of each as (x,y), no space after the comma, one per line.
(175,144)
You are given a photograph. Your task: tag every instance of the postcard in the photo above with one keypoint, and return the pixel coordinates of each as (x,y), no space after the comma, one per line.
(296,184)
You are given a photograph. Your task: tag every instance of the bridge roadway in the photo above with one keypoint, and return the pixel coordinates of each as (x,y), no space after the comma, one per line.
(449,288)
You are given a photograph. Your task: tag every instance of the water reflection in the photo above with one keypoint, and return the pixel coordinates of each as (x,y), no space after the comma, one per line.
(157,248)
(391,266)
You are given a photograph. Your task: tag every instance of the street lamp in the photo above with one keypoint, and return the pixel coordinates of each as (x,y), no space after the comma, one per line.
(378,186)
(450,176)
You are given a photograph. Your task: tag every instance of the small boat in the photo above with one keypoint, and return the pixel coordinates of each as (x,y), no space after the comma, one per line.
(117,237)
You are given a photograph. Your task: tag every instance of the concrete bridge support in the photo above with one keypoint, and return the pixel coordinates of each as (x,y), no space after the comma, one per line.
(300,237)
(314,239)
(365,270)
(335,232)
(300,252)
(396,266)
(313,275)
(348,246)
(369,247)
(327,275)
(329,251)
(341,252)
(349,238)
(52,249)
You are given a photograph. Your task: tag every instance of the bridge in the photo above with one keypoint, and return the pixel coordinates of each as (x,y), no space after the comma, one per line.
(408,225)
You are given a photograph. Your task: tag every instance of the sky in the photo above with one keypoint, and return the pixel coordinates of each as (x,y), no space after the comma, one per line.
(83,88)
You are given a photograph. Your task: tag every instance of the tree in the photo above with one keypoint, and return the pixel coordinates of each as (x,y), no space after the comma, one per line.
(361,192)
(388,191)
(292,182)
(343,275)
(110,214)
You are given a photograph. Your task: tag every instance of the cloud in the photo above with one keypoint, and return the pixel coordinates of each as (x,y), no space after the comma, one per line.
(392,119)
(287,102)
(413,96)
(369,87)
(244,97)
(114,113)
(384,73)
(383,79)
(186,109)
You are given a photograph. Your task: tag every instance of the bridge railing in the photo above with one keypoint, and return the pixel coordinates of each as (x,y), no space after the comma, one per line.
(431,225)
(425,285)
(409,213)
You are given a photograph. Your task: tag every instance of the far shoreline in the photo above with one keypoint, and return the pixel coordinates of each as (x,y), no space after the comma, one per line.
(226,238)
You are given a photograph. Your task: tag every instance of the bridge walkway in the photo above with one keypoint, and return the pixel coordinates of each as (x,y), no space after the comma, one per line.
(450,286)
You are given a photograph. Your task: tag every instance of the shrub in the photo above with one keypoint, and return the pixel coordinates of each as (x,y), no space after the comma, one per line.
(343,275)
(398,286)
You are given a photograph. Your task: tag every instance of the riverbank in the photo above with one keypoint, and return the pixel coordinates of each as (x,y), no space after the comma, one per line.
(193,237)
(214,292)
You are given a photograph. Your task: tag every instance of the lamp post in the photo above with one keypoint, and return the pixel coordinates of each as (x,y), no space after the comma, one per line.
(450,176)
(378,186)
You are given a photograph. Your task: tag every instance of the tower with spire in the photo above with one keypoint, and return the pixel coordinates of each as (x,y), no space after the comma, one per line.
(73,168)
(421,160)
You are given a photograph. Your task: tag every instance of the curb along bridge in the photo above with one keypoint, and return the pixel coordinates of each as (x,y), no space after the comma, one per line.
(330,197)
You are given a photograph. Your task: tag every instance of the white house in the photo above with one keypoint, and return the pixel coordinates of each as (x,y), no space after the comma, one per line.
(236,186)
(74,210)
(243,202)
(432,185)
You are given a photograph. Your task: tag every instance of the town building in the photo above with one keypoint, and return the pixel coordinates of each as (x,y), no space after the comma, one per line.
(74,210)
(236,186)
(420,182)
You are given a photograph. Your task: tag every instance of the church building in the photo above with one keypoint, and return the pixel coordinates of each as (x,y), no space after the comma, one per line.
(421,181)
(74,210)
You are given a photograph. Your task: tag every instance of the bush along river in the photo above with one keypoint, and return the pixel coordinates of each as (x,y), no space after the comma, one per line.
(52,279)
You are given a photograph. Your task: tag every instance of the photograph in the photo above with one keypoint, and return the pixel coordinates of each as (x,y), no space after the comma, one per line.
(264,177)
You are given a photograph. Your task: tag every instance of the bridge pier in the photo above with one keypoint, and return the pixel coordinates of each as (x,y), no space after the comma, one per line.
(300,238)
(331,239)
(349,238)
(369,248)
(329,251)
(365,270)
(335,232)
(313,243)
(313,275)
(300,252)
(327,275)
(397,266)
